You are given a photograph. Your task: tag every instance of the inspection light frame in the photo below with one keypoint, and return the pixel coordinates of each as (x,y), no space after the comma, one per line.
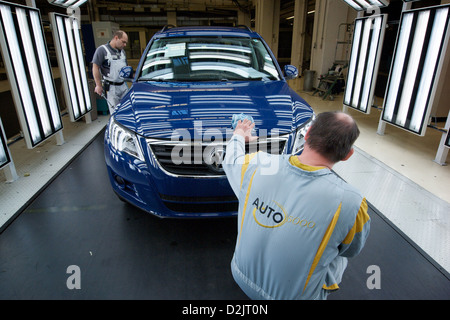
(66,36)
(67,3)
(363,5)
(367,43)
(5,156)
(447,139)
(419,53)
(28,67)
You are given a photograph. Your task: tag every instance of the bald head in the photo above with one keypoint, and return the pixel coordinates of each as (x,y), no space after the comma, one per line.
(332,135)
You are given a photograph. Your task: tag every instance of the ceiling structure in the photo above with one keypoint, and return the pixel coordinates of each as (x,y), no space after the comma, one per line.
(153,13)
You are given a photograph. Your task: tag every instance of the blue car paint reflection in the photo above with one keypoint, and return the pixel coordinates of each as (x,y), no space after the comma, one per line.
(179,107)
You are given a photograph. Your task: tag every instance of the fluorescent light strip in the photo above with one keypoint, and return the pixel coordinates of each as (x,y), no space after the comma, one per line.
(73,58)
(4,152)
(428,69)
(70,56)
(45,69)
(398,63)
(363,64)
(67,67)
(407,101)
(353,5)
(361,5)
(3,158)
(67,3)
(79,3)
(20,75)
(353,60)
(368,77)
(447,142)
(77,39)
(28,67)
(413,65)
(34,72)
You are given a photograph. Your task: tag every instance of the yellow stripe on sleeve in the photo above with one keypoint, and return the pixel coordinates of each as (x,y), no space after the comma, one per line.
(245,204)
(247,159)
(361,218)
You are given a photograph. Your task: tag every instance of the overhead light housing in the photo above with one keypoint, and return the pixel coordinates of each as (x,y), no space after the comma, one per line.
(67,3)
(365,56)
(416,65)
(69,51)
(363,5)
(27,63)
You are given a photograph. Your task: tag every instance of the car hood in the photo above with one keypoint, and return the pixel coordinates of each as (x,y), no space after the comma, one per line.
(169,110)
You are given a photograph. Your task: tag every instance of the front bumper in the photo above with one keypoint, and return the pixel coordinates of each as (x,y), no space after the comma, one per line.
(145,185)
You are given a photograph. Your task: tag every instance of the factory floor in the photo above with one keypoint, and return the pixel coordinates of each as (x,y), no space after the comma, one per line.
(61,212)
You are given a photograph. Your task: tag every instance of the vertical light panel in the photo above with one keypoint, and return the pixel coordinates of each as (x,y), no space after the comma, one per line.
(69,50)
(5,157)
(421,44)
(365,56)
(447,140)
(29,72)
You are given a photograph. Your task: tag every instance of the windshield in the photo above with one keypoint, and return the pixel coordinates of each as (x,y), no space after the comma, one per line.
(208,59)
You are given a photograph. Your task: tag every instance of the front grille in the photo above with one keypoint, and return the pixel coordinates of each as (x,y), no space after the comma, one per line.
(200,204)
(197,159)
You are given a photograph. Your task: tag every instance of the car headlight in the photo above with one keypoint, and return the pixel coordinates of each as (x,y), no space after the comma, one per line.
(299,141)
(124,140)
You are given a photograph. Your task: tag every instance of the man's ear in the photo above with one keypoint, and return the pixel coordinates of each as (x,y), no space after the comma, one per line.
(349,155)
(307,134)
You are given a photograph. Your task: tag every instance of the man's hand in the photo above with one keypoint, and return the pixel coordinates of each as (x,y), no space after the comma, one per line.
(244,128)
(98,90)
(98,79)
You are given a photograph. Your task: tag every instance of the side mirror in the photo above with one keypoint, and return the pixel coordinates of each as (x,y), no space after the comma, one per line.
(290,72)
(126,73)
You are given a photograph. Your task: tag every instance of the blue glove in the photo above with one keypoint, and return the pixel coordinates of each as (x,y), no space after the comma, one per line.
(237,117)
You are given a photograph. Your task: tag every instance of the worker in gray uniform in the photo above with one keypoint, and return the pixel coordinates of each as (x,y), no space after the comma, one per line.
(298,222)
(107,62)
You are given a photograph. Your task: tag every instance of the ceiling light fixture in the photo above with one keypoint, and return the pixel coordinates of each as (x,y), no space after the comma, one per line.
(362,5)
(67,3)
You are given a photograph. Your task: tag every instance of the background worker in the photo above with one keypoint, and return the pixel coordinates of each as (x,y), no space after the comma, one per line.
(107,62)
(298,225)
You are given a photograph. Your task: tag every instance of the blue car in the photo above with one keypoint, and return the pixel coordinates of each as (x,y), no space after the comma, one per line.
(165,141)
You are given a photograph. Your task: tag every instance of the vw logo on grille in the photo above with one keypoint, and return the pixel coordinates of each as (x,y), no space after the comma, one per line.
(213,157)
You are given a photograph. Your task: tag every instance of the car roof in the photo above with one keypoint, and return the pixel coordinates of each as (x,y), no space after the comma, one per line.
(239,31)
